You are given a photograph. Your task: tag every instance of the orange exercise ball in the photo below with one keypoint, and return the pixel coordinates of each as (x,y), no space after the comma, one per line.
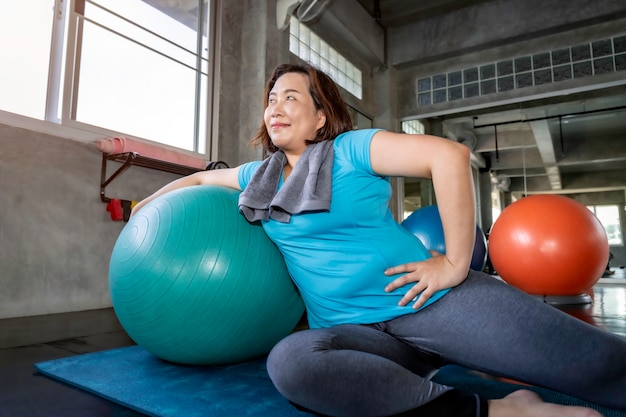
(548,245)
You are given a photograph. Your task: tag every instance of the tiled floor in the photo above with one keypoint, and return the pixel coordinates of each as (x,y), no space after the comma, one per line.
(609,307)
(24,393)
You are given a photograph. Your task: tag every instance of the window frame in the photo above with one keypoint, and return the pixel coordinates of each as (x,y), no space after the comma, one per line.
(592,208)
(61,98)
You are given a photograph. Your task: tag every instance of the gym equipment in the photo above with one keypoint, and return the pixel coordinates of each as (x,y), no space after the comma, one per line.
(549,245)
(193,282)
(425,223)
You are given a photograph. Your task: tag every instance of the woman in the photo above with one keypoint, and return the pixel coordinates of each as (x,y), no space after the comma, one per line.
(384,313)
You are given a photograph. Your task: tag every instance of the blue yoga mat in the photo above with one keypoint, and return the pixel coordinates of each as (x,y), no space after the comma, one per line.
(133,377)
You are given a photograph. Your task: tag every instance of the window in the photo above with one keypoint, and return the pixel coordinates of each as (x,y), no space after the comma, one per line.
(136,67)
(592,58)
(496,204)
(413,126)
(359,120)
(310,48)
(609,217)
(25,31)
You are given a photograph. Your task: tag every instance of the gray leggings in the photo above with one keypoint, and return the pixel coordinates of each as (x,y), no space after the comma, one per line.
(484,324)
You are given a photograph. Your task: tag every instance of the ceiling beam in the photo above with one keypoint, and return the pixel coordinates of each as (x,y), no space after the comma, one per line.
(543,138)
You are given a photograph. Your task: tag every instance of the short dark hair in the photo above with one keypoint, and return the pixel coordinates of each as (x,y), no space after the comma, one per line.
(326,97)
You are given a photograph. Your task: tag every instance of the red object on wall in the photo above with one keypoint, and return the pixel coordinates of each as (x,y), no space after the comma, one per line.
(114,207)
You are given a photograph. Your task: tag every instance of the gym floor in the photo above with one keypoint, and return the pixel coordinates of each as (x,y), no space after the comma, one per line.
(24,393)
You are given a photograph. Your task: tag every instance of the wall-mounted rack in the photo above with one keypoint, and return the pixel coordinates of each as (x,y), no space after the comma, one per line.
(128,159)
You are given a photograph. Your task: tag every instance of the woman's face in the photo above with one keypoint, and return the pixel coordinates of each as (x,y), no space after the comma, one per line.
(290,116)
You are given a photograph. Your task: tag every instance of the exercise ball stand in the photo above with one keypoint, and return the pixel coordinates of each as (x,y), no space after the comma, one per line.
(549,246)
(562,300)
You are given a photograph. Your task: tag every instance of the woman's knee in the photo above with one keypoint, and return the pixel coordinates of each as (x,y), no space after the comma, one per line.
(302,358)
(289,362)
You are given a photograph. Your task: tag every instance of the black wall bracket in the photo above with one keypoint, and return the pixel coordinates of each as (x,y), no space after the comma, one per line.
(128,159)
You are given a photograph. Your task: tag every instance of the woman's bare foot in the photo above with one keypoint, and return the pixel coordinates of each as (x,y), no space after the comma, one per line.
(524,403)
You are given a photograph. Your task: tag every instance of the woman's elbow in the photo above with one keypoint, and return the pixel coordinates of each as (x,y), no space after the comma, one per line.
(459,154)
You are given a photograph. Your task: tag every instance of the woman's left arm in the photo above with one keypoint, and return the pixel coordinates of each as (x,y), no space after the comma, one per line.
(447,163)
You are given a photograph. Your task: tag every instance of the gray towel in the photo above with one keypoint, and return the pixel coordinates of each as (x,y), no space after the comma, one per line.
(308,188)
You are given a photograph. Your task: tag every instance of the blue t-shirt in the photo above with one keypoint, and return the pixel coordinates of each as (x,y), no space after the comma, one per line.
(337,259)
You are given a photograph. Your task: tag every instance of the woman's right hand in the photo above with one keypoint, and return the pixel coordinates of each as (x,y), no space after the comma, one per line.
(428,276)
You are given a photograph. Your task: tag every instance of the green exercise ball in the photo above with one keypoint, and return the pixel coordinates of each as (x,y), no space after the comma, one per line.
(193,282)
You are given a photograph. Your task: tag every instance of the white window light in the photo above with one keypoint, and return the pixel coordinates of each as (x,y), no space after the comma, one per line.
(309,47)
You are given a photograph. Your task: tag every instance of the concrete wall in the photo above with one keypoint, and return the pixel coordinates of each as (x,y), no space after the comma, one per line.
(494,24)
(492,43)
(56,236)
